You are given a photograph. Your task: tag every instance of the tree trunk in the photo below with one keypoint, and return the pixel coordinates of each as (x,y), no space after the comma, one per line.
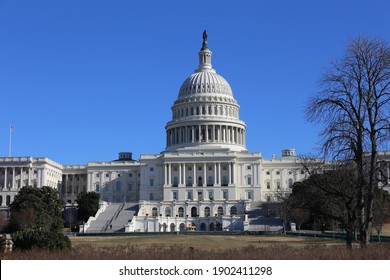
(349,238)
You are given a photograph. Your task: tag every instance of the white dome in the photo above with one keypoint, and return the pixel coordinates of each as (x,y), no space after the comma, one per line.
(205,82)
(205,114)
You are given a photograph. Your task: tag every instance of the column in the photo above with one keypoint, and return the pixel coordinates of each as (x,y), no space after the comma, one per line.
(169,174)
(213,134)
(13,179)
(194,178)
(215,173)
(5,177)
(230,173)
(165,174)
(207,133)
(219,133)
(89,183)
(204,175)
(234,180)
(219,173)
(66,185)
(184,175)
(29,176)
(193,134)
(199,133)
(254,179)
(21,178)
(179,173)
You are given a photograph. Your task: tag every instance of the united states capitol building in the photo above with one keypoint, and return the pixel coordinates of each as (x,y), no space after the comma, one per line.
(204,180)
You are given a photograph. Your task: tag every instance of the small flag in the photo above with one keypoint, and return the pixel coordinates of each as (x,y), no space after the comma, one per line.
(11,129)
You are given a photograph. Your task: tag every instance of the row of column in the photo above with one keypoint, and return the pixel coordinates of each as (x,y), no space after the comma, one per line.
(205,133)
(182,172)
(69,186)
(13,184)
(209,110)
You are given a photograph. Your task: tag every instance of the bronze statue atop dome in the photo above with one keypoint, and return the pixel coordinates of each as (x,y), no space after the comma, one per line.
(204,45)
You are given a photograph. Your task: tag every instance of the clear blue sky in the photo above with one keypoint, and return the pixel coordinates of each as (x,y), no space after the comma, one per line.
(83,80)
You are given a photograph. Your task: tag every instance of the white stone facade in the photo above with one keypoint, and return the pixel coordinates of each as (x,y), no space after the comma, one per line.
(17,172)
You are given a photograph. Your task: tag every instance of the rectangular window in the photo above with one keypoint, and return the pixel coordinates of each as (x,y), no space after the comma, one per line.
(278,185)
(225,195)
(249,181)
(151,169)
(97,175)
(174,195)
(189,195)
(249,167)
(268,185)
(97,188)
(107,175)
(249,195)
(130,187)
(210,168)
(211,195)
(224,167)
(189,168)
(130,175)
(151,182)
(268,173)
(199,168)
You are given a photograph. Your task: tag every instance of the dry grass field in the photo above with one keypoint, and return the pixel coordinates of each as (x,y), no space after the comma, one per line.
(203,247)
(204,242)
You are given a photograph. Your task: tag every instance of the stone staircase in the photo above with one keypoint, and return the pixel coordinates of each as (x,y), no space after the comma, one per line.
(113,218)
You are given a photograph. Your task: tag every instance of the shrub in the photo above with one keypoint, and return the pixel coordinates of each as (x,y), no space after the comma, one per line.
(31,237)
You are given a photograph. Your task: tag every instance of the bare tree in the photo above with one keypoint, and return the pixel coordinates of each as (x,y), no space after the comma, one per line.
(300,216)
(354,108)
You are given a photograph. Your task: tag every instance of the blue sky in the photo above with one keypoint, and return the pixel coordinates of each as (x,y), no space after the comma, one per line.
(83,80)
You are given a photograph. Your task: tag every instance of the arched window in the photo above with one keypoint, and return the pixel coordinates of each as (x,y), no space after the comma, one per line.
(181,211)
(203,227)
(165,227)
(194,212)
(207,211)
(233,210)
(212,227)
(220,211)
(173,227)
(182,227)
(168,212)
(200,181)
(154,212)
